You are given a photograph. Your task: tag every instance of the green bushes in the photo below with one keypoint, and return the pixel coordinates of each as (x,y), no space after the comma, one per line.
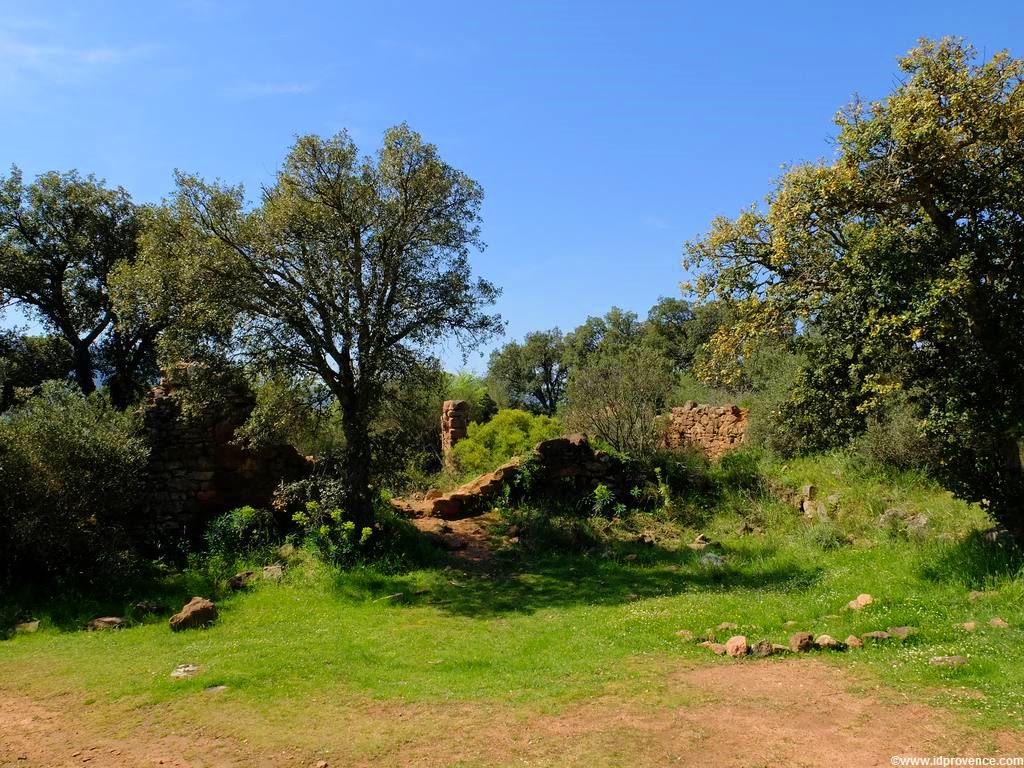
(70,471)
(510,433)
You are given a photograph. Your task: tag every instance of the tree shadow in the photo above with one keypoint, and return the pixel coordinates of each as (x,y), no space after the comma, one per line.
(976,560)
(525,585)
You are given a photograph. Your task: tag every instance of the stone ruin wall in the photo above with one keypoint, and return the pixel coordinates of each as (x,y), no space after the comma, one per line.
(195,472)
(454,426)
(715,430)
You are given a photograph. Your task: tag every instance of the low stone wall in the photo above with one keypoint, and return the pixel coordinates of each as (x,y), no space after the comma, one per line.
(712,429)
(195,472)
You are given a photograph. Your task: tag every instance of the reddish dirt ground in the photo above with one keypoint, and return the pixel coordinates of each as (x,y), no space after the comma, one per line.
(790,713)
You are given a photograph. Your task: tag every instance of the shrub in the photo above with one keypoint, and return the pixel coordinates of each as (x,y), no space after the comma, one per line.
(510,433)
(893,438)
(241,532)
(619,398)
(71,468)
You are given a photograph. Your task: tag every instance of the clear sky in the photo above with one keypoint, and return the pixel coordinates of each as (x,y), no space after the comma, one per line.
(604,133)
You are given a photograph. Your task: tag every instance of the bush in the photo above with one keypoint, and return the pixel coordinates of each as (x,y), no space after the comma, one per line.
(893,438)
(241,532)
(510,433)
(619,399)
(70,471)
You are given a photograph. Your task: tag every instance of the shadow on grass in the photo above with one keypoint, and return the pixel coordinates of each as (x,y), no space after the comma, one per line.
(976,561)
(557,580)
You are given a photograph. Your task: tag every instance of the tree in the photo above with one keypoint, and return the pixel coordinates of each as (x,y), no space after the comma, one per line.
(620,397)
(350,269)
(679,331)
(61,237)
(28,361)
(600,336)
(533,374)
(905,257)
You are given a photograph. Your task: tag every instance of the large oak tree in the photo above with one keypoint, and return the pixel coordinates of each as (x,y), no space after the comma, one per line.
(350,268)
(902,260)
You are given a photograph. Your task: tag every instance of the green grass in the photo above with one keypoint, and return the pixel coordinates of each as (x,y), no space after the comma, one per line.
(543,632)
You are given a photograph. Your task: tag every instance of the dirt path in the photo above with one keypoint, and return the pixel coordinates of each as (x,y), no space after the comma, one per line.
(468,539)
(792,713)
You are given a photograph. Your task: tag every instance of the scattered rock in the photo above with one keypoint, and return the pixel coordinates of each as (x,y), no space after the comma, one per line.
(801,641)
(727,625)
(685,634)
(748,528)
(273,572)
(998,623)
(185,670)
(105,622)
(854,642)
(808,492)
(432,494)
(736,646)
(947,661)
(322,764)
(827,641)
(832,500)
(917,527)
(860,601)
(148,607)
(974,595)
(762,648)
(241,580)
(967,626)
(711,560)
(718,648)
(198,612)
(876,636)
(215,689)
(790,623)
(700,541)
(631,557)
(27,627)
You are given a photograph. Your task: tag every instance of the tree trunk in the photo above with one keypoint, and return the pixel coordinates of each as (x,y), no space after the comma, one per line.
(82,359)
(357,462)
(1008,508)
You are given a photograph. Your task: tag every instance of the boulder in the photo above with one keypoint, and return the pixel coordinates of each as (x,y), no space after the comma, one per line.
(685,635)
(718,648)
(763,648)
(998,623)
(105,622)
(27,627)
(801,641)
(736,646)
(829,642)
(197,613)
(860,601)
(273,572)
(727,625)
(854,642)
(185,670)
(241,580)
(967,626)
(876,636)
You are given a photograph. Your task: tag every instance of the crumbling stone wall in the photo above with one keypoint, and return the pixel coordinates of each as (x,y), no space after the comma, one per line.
(713,429)
(454,426)
(195,472)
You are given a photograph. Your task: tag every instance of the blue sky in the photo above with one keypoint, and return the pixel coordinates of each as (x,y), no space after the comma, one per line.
(604,133)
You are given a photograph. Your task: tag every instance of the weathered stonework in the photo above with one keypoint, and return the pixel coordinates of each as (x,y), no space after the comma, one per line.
(195,472)
(454,425)
(712,429)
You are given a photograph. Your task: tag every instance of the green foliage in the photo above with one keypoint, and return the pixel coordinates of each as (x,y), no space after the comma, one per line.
(900,262)
(466,385)
(28,361)
(327,532)
(531,375)
(510,433)
(894,437)
(379,275)
(242,532)
(618,399)
(70,472)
